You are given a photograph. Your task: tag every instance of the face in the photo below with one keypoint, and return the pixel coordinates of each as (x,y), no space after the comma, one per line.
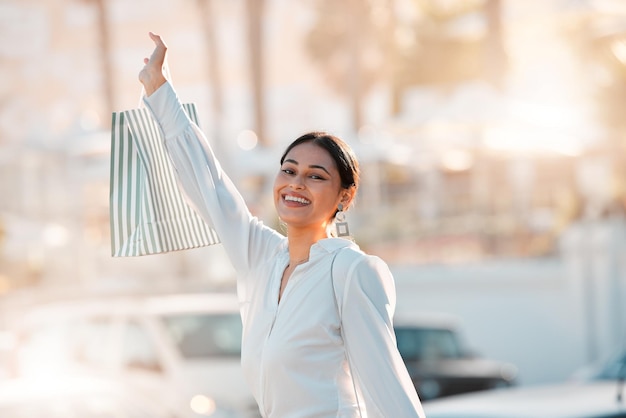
(308,189)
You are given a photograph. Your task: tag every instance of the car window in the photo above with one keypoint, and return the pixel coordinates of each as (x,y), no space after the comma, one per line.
(427,343)
(138,349)
(615,368)
(205,335)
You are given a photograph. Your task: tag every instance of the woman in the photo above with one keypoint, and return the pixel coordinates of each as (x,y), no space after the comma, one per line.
(306,351)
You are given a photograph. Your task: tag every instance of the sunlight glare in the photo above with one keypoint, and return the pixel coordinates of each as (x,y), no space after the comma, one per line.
(457,160)
(618,47)
(247,140)
(531,141)
(202,405)
(55,235)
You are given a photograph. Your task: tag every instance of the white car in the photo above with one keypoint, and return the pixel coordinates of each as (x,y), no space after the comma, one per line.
(74,397)
(181,349)
(593,399)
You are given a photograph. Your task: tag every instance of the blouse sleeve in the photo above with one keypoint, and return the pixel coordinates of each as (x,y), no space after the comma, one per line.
(376,365)
(205,185)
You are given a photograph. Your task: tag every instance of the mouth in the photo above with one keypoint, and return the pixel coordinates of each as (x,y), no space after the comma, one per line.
(296,199)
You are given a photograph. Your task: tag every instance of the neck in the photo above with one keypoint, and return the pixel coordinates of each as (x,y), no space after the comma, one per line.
(300,242)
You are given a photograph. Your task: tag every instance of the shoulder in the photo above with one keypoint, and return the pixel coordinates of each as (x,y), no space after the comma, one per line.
(355,264)
(348,259)
(356,256)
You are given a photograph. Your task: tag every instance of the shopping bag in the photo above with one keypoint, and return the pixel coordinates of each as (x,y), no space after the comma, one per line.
(148,213)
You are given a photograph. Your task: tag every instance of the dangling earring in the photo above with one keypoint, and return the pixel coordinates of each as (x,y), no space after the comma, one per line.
(341,225)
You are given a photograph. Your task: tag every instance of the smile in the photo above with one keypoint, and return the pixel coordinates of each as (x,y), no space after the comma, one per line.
(302,200)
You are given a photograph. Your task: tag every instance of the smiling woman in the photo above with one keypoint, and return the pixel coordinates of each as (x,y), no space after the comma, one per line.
(305,352)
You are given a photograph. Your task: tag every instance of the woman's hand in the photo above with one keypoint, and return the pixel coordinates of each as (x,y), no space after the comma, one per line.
(151,76)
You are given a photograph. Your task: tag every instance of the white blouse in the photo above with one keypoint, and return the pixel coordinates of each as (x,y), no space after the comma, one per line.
(294,355)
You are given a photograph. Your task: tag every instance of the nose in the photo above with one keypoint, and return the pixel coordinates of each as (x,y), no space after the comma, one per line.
(297,183)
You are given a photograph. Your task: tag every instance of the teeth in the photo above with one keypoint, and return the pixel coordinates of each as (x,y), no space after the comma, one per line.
(297,199)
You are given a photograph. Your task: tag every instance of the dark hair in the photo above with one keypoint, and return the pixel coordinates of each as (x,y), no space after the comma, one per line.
(341,153)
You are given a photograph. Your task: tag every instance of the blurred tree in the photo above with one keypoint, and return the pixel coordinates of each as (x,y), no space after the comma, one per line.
(359,42)
(453,42)
(495,60)
(255,43)
(208,23)
(349,46)
(105,54)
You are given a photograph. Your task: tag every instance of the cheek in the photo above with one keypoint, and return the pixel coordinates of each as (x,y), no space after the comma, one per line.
(278,184)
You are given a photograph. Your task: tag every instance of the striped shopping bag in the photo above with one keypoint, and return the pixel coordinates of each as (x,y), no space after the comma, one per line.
(148,213)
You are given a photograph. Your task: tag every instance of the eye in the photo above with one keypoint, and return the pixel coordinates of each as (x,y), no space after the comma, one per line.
(316,177)
(288,171)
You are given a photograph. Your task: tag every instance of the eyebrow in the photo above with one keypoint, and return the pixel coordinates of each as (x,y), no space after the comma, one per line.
(311,166)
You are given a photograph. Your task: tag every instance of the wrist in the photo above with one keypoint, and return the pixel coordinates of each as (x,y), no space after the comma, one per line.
(152,85)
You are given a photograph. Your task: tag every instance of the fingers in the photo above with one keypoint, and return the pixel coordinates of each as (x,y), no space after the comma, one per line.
(156,39)
(160,50)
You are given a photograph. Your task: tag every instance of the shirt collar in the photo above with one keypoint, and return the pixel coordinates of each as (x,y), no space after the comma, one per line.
(332,244)
(326,245)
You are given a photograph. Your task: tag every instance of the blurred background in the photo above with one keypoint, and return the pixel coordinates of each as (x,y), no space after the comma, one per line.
(490,133)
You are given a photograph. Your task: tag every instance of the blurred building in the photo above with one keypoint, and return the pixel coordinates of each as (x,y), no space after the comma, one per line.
(492,160)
